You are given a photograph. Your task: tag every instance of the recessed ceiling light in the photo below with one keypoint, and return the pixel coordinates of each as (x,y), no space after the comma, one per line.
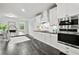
(23,10)
(10,15)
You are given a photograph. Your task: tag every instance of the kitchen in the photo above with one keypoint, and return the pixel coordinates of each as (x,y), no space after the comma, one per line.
(52,27)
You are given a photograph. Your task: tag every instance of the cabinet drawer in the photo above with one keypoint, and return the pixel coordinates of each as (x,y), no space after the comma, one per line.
(68,50)
(62,48)
(74,51)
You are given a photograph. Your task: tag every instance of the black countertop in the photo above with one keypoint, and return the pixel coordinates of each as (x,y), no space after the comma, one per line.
(64,32)
(46,32)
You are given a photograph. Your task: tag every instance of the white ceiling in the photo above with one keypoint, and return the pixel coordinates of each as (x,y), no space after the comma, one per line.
(30,9)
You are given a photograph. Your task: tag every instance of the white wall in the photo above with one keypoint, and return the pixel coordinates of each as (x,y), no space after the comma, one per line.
(31,26)
(17,21)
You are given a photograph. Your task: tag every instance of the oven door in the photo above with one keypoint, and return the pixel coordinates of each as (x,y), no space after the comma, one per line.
(69,38)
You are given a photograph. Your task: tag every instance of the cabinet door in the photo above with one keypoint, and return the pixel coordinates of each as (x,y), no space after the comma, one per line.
(42,37)
(62,48)
(53,16)
(44,16)
(53,38)
(60,10)
(37,21)
(47,38)
(64,9)
(73,51)
(39,36)
(50,39)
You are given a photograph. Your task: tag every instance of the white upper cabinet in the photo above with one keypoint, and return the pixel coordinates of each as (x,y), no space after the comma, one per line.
(53,16)
(67,9)
(37,21)
(44,16)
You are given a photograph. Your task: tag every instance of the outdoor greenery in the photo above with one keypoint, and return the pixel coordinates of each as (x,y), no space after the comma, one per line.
(3,26)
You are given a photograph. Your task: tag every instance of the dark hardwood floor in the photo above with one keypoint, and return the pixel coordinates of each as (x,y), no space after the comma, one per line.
(27,47)
(24,48)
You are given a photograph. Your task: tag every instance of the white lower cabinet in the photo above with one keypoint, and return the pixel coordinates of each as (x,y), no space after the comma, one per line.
(47,38)
(41,37)
(53,38)
(35,35)
(62,48)
(74,51)
(38,36)
(68,50)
